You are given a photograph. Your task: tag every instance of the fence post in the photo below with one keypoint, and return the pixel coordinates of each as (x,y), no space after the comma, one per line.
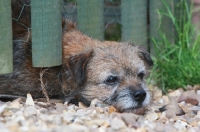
(134,21)
(90,17)
(181,15)
(46,33)
(157,23)
(6,48)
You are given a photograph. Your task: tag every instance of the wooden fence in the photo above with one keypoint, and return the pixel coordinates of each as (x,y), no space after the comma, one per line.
(140,21)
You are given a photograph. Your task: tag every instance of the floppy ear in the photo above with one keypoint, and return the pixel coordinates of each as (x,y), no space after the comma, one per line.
(77,66)
(146,57)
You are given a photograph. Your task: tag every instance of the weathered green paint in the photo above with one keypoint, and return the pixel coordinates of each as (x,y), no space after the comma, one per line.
(157,22)
(6,49)
(134,21)
(46,33)
(90,17)
(181,15)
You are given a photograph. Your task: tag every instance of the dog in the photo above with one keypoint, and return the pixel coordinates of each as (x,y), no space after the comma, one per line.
(112,72)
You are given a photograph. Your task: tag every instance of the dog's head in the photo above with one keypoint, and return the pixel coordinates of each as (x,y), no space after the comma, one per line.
(114,74)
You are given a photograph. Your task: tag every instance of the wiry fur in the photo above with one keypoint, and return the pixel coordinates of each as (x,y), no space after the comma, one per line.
(87,63)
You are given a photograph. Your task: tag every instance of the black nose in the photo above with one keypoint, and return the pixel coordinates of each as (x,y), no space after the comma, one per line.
(139,95)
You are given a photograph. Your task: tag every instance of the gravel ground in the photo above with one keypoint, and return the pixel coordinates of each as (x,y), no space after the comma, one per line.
(177,111)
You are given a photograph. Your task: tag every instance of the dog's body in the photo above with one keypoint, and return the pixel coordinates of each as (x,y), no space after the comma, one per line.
(109,71)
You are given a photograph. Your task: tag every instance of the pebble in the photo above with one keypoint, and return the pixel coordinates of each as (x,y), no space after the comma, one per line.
(29,100)
(14,104)
(20,116)
(152,116)
(30,111)
(2,108)
(117,124)
(180,125)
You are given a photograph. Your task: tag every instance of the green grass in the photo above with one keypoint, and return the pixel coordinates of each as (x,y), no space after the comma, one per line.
(177,64)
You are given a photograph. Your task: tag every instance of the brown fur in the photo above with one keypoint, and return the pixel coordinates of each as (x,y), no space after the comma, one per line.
(88,69)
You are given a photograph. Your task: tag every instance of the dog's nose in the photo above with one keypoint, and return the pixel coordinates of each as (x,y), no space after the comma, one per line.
(139,95)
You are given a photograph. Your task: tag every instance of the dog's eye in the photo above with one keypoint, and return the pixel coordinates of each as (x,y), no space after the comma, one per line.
(111,80)
(140,75)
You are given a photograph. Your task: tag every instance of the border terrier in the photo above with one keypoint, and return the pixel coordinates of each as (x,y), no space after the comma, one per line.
(112,72)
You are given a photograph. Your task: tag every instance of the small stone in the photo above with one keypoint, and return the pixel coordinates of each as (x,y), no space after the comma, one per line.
(117,124)
(163,118)
(192,121)
(30,111)
(117,115)
(182,118)
(198,114)
(198,92)
(173,108)
(97,103)
(166,99)
(171,120)
(15,104)
(182,98)
(29,100)
(151,116)
(112,109)
(141,130)
(195,108)
(190,114)
(161,101)
(97,122)
(69,118)
(184,107)
(169,128)
(71,128)
(192,101)
(81,105)
(170,113)
(7,113)
(196,87)
(79,121)
(2,108)
(193,129)
(180,125)
(176,93)
(4,128)
(157,94)
(60,107)
(129,118)
(159,127)
(71,108)
(189,93)
(189,87)
(99,110)
(102,129)
(42,103)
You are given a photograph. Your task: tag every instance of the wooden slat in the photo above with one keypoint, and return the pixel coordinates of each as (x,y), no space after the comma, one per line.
(6,49)
(180,13)
(90,17)
(111,13)
(158,23)
(46,33)
(134,21)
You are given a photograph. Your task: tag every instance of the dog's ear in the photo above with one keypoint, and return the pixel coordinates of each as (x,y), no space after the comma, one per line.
(146,57)
(77,66)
